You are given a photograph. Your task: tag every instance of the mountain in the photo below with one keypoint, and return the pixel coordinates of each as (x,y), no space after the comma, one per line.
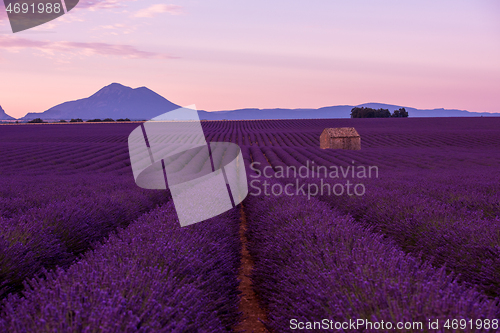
(5,116)
(118,101)
(113,101)
(416,113)
(339,111)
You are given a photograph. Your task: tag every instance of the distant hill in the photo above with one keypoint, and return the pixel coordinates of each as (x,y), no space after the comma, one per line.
(113,101)
(431,112)
(339,111)
(5,116)
(118,101)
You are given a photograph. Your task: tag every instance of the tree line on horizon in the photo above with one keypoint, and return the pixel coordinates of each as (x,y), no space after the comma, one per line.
(78,120)
(364,112)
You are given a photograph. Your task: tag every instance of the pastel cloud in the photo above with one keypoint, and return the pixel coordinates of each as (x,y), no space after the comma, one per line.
(159,9)
(127,51)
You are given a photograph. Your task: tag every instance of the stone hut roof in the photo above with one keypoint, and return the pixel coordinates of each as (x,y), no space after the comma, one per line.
(341,132)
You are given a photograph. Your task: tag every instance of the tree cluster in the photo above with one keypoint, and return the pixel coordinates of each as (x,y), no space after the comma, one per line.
(363,112)
(99,120)
(36,121)
(400,113)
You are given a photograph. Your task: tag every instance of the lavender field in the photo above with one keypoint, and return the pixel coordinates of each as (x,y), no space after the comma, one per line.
(414,239)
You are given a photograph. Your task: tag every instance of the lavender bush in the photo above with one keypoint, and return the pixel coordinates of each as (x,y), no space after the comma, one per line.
(64,187)
(150,277)
(56,233)
(448,234)
(313,263)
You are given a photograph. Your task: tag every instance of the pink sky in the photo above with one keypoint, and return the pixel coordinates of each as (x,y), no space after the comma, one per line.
(221,54)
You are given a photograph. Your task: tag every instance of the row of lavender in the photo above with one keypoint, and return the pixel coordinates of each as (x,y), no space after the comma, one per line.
(451,218)
(40,158)
(313,264)
(446,230)
(476,189)
(408,160)
(49,223)
(150,277)
(24,191)
(375,133)
(103,147)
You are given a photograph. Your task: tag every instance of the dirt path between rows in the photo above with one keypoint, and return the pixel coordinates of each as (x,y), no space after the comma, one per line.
(249,304)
